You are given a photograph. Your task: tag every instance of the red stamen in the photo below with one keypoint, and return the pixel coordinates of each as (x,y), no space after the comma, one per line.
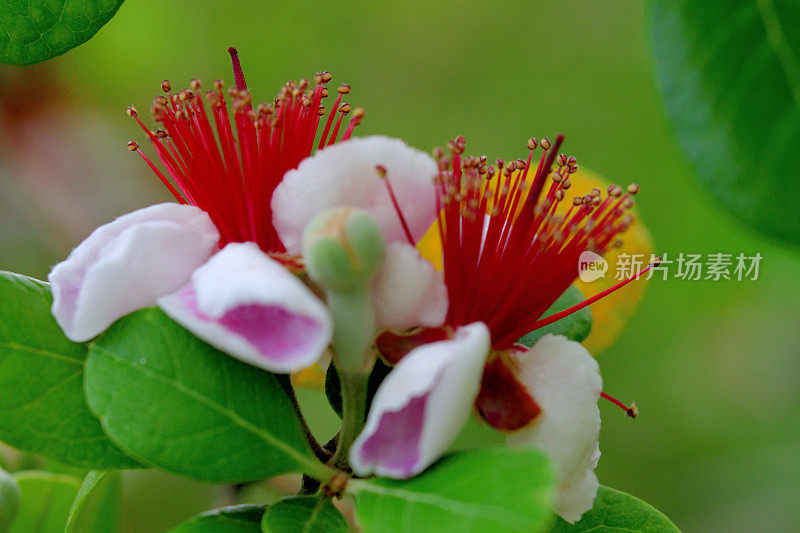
(555,317)
(631,411)
(544,169)
(228,162)
(381,170)
(507,252)
(135,147)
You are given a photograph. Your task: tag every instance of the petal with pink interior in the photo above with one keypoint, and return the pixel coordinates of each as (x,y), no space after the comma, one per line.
(127,264)
(422,405)
(346,175)
(565,381)
(251,307)
(408,291)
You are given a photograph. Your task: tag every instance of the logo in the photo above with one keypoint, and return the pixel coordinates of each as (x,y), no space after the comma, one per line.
(591,266)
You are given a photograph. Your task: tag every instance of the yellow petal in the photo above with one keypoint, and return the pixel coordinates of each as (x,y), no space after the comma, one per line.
(430,246)
(312,377)
(610,313)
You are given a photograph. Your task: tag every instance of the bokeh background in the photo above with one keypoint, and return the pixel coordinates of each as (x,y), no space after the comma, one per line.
(713,366)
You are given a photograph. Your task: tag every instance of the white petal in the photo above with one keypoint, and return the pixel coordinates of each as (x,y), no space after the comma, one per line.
(422,405)
(345,175)
(408,291)
(127,264)
(248,305)
(565,381)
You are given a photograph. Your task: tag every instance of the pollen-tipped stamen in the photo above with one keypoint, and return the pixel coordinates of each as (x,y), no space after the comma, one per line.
(632,411)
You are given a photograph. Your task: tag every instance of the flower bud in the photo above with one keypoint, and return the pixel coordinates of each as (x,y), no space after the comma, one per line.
(343,248)
(9,499)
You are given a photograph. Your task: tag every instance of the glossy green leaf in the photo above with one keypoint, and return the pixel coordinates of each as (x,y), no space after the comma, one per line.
(234,519)
(730,76)
(306,514)
(175,402)
(616,511)
(42,409)
(35,30)
(490,489)
(97,505)
(9,499)
(46,501)
(576,326)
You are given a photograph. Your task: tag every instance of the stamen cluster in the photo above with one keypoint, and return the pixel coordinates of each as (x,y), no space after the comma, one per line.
(510,249)
(230,171)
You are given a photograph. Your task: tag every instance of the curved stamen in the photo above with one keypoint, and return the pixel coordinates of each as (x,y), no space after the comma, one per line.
(631,411)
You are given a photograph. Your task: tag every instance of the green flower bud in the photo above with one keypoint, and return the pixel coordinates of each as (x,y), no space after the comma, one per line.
(343,248)
(9,500)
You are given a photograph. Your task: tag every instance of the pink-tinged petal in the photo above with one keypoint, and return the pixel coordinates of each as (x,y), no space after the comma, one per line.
(345,175)
(408,291)
(250,306)
(422,405)
(127,264)
(565,381)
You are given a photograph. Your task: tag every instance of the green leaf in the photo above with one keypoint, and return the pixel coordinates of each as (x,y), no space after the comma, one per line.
(46,501)
(96,508)
(234,519)
(575,326)
(9,499)
(304,514)
(616,511)
(730,76)
(172,401)
(35,30)
(42,409)
(490,489)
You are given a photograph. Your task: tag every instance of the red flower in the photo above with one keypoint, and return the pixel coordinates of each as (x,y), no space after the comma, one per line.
(231,174)
(509,253)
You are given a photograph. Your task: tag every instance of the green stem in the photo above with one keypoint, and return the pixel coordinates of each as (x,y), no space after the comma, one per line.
(286,383)
(354,411)
(353,330)
(309,485)
(319,471)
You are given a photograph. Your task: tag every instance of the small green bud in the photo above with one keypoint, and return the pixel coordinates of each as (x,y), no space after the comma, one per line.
(343,248)
(9,500)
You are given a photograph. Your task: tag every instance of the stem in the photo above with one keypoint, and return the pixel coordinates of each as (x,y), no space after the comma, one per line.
(353,330)
(319,471)
(286,383)
(309,485)
(354,410)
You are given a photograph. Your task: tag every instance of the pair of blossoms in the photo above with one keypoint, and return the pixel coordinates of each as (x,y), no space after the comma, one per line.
(233,261)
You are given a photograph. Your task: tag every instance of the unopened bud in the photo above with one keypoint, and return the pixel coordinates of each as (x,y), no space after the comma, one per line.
(343,248)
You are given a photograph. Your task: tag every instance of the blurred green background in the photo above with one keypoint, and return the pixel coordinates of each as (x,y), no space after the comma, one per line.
(713,366)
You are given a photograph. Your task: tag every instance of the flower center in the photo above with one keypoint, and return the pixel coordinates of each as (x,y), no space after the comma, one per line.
(231,169)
